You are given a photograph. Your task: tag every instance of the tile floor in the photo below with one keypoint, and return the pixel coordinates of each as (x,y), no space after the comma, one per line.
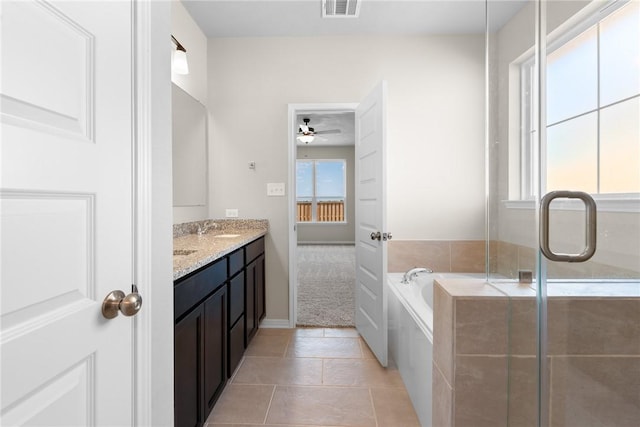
(312,377)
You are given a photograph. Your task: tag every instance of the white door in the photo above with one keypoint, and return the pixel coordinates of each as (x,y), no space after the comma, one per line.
(371,233)
(66,99)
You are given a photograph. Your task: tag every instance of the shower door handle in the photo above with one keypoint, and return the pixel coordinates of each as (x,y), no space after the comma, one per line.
(590,226)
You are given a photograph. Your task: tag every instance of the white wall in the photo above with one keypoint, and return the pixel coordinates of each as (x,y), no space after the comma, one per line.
(187,32)
(341,233)
(435,129)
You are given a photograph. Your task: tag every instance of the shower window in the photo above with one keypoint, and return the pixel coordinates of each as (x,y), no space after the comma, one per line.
(321,190)
(593,108)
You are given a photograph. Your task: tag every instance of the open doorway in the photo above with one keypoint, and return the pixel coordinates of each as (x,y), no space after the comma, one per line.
(322,264)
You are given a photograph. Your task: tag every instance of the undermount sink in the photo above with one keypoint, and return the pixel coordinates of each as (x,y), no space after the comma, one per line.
(227,236)
(184,251)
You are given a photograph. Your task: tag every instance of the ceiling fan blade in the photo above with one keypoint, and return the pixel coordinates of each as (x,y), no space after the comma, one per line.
(320,132)
(303,129)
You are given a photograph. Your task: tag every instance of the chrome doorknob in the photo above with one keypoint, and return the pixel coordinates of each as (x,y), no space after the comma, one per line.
(386,236)
(116,301)
(376,235)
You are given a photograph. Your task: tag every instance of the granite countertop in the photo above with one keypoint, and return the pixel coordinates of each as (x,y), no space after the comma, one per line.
(192,250)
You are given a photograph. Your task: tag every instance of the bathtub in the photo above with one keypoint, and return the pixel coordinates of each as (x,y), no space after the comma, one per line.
(410,312)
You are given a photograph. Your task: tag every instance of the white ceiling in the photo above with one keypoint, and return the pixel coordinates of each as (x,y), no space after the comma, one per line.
(295,18)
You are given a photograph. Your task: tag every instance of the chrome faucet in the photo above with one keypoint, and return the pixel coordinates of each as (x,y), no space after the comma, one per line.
(411,274)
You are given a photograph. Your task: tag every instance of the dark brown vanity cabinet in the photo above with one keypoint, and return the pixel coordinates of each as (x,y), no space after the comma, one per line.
(217,310)
(200,340)
(215,344)
(254,301)
(236,310)
(188,368)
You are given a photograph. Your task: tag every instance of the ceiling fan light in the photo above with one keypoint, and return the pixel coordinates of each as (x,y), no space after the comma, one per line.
(305,138)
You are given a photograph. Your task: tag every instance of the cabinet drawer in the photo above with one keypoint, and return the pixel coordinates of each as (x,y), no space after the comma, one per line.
(254,249)
(236,261)
(236,345)
(236,298)
(192,290)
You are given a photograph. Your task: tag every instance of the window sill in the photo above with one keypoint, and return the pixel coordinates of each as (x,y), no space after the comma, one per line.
(627,203)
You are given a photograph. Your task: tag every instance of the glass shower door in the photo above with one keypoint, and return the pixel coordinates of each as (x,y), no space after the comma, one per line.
(589,144)
(563,102)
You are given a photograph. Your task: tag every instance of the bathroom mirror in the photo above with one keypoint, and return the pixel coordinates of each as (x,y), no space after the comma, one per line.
(189,140)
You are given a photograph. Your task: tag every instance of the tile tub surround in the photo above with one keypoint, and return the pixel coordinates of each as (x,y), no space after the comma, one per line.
(208,247)
(442,256)
(484,354)
(313,377)
(506,259)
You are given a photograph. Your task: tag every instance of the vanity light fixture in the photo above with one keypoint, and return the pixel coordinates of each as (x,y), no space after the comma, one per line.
(179,63)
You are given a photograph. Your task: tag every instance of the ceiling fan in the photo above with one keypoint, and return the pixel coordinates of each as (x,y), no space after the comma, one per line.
(306,132)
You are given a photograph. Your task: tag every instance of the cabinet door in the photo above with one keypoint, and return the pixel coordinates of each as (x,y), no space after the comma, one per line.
(188,369)
(236,345)
(236,298)
(215,347)
(250,303)
(260,288)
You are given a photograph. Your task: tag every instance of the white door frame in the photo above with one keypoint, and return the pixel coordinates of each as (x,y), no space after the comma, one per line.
(152,215)
(294,110)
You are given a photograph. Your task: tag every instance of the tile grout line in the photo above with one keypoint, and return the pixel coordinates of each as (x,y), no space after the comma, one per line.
(286,347)
(373,406)
(266,415)
(232,380)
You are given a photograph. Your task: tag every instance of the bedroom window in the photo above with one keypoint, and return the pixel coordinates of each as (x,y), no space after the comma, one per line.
(321,190)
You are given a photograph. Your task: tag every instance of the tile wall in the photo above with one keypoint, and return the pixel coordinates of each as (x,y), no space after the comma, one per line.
(468,256)
(508,258)
(442,256)
(485,364)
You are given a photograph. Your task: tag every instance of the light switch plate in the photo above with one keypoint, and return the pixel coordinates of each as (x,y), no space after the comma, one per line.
(231,213)
(275,189)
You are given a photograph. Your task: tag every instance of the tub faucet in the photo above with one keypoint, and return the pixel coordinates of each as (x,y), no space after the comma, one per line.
(411,274)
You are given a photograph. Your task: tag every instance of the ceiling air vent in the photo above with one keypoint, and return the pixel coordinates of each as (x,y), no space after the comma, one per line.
(340,8)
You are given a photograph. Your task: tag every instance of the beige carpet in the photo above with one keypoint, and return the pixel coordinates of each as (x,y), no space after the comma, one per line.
(326,282)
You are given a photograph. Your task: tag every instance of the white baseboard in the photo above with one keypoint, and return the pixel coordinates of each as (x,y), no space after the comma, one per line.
(275,323)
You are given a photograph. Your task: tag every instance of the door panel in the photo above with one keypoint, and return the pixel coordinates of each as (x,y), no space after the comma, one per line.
(55,397)
(66,212)
(371,255)
(60,97)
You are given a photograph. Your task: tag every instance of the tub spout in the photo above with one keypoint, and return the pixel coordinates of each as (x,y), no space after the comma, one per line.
(411,274)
